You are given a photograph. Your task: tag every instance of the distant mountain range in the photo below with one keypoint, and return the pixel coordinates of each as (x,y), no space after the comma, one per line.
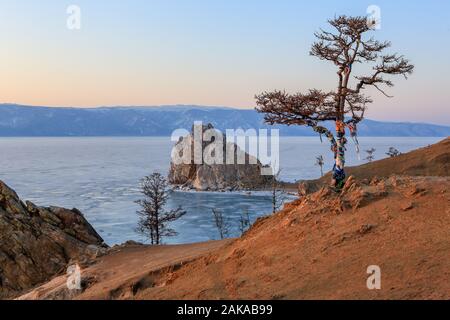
(26,121)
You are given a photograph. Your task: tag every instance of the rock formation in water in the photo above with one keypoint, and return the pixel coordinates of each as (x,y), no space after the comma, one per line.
(218,175)
(37,243)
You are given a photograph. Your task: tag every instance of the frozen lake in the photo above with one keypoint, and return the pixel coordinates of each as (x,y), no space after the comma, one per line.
(100,176)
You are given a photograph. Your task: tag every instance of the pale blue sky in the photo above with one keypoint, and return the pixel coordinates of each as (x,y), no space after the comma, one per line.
(210,52)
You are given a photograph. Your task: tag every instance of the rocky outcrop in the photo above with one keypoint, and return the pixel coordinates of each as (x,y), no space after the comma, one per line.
(220,175)
(37,243)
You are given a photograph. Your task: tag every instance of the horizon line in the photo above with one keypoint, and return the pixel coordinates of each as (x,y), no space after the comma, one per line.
(184,106)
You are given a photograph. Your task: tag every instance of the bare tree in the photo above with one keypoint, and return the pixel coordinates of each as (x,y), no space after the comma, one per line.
(278,193)
(320,162)
(221,223)
(153,219)
(393,152)
(370,154)
(244,222)
(345,46)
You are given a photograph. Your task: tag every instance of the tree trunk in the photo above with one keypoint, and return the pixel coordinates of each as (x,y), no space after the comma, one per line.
(157,236)
(339,173)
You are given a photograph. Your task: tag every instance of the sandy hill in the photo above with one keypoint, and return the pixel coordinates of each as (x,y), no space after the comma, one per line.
(433,160)
(318,247)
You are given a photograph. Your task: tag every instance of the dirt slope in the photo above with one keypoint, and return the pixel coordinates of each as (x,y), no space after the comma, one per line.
(320,247)
(125,270)
(433,160)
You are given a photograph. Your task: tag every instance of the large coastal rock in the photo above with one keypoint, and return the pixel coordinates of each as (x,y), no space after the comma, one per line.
(38,243)
(216,177)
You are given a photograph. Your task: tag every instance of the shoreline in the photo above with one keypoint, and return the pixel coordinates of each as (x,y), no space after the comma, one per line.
(287,187)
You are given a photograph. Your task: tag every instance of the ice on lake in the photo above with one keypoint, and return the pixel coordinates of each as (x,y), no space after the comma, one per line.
(100,176)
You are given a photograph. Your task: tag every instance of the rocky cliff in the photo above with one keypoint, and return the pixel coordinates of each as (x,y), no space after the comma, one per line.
(218,176)
(37,243)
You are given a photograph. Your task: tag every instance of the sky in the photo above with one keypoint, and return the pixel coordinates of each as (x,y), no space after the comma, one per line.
(210,52)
